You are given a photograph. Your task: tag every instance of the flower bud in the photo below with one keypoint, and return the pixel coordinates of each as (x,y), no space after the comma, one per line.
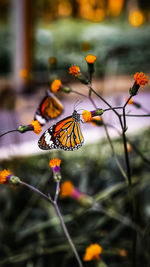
(66,89)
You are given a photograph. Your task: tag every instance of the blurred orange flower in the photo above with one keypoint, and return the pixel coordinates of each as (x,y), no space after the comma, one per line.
(75,70)
(56,85)
(67,189)
(90,59)
(92,252)
(3,176)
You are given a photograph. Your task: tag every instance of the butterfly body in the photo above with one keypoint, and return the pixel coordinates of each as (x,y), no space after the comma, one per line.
(49,108)
(65,134)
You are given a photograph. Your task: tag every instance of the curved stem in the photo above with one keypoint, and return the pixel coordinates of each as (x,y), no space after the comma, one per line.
(127,101)
(67,234)
(36,190)
(75,92)
(54,203)
(9,132)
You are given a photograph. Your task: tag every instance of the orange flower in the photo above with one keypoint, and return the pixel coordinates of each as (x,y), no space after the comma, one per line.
(23,74)
(90,59)
(36,126)
(75,70)
(86,115)
(55,165)
(122,252)
(92,252)
(56,85)
(52,60)
(54,162)
(67,189)
(140,78)
(130,102)
(3,176)
(129,148)
(97,121)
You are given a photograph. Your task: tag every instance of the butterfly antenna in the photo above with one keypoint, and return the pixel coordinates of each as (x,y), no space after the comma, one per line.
(79,110)
(77,103)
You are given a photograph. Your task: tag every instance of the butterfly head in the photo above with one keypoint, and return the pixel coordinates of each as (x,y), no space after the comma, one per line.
(76,116)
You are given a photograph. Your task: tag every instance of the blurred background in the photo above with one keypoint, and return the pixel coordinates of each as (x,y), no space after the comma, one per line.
(39,41)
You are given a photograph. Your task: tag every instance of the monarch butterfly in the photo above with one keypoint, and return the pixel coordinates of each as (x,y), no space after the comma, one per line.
(49,108)
(65,134)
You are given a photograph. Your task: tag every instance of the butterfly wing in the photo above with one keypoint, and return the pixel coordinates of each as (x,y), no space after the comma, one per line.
(50,108)
(66,134)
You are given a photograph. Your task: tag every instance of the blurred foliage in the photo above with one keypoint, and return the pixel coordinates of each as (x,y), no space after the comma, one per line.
(30,232)
(115,43)
(119,47)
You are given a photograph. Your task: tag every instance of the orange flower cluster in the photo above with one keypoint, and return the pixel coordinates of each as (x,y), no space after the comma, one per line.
(86,115)
(92,252)
(56,85)
(90,59)
(54,162)
(67,189)
(75,70)
(140,78)
(3,176)
(36,126)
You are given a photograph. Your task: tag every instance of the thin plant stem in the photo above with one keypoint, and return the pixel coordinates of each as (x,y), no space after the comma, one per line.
(67,234)
(127,101)
(104,100)
(75,92)
(107,109)
(54,203)
(35,190)
(132,199)
(111,144)
(123,127)
(137,115)
(16,130)
(57,191)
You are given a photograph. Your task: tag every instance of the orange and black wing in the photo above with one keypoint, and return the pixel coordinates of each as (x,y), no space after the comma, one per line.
(66,134)
(50,108)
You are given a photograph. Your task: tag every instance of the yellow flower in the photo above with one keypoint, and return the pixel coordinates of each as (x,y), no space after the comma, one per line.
(36,126)
(86,115)
(140,78)
(92,252)
(3,176)
(90,59)
(56,85)
(67,189)
(54,162)
(75,70)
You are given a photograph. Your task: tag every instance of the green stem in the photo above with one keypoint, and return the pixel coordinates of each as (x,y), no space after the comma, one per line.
(9,132)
